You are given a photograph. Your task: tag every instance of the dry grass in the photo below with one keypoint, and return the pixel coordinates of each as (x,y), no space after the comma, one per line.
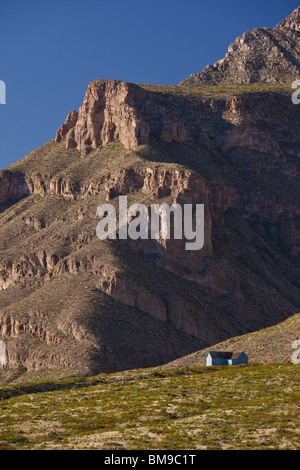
(238,407)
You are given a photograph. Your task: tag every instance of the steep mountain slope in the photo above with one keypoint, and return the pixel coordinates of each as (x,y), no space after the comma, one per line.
(69,300)
(261,55)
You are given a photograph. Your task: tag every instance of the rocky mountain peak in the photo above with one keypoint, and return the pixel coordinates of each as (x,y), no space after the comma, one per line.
(260,55)
(291,22)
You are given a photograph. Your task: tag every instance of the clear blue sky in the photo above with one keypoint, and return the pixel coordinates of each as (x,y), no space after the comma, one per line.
(51,50)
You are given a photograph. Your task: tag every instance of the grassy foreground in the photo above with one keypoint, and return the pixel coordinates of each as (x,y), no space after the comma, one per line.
(237,407)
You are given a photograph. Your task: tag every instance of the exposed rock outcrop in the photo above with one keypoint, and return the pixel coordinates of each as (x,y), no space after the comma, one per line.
(131,114)
(108,113)
(10,326)
(13,187)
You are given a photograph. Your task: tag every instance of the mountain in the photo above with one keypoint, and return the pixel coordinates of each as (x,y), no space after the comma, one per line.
(69,301)
(261,55)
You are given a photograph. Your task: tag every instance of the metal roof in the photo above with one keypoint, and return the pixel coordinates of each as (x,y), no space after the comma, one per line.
(225,354)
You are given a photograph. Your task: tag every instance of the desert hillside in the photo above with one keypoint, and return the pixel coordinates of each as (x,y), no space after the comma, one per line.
(267,346)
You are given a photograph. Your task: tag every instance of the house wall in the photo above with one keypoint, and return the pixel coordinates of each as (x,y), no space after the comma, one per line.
(242,359)
(209,360)
(213,361)
(219,361)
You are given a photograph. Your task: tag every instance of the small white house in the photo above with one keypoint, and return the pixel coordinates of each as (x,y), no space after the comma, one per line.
(225,358)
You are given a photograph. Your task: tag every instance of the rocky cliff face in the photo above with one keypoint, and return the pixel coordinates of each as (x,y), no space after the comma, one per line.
(118,111)
(13,187)
(132,114)
(261,55)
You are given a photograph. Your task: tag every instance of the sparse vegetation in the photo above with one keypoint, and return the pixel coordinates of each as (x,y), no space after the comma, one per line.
(215,91)
(238,407)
